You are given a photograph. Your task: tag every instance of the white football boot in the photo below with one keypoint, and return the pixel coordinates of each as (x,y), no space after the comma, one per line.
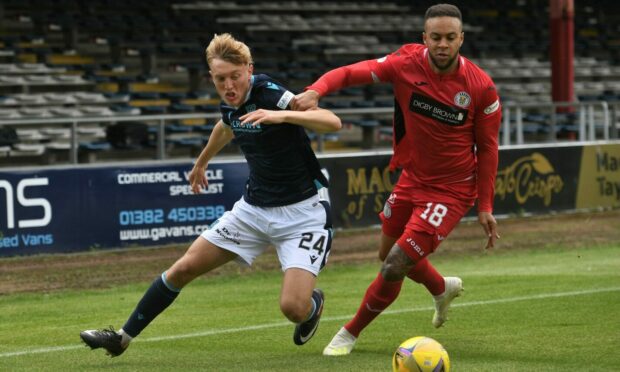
(454,288)
(341,344)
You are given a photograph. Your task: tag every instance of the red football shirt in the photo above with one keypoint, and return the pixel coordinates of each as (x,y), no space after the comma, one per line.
(445,125)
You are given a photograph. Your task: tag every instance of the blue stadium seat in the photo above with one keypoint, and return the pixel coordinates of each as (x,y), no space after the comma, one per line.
(362,104)
(208,108)
(153,110)
(174,96)
(187,141)
(94,146)
(368,123)
(205,128)
(179,108)
(178,128)
(145,95)
(336,104)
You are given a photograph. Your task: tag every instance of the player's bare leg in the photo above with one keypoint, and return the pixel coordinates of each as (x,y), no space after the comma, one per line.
(201,257)
(301,303)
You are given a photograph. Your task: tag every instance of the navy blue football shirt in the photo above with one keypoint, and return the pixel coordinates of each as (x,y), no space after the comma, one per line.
(283,167)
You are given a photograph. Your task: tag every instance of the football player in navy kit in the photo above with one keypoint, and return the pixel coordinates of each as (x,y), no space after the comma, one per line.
(280,205)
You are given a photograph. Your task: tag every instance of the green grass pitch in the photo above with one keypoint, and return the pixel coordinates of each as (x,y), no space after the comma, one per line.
(552,309)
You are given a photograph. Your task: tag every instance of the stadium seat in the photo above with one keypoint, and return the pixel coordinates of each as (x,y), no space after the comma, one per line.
(125,110)
(367,123)
(330,104)
(9,113)
(203,128)
(181,108)
(30,99)
(178,128)
(35,112)
(384,103)
(96,111)
(54,98)
(66,111)
(27,135)
(111,60)
(56,133)
(369,127)
(362,104)
(95,131)
(5,151)
(174,96)
(187,141)
(145,95)
(95,146)
(88,151)
(208,108)
(153,110)
(58,146)
(23,149)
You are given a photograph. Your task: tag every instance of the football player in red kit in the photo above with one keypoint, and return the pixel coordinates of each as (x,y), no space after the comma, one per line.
(446,123)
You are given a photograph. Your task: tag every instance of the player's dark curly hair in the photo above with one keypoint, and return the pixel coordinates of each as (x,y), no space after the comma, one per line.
(443,10)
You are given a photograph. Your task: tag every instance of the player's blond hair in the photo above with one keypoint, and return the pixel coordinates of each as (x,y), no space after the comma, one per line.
(227,48)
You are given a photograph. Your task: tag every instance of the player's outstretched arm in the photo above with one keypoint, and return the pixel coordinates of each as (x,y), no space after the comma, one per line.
(358,73)
(219,137)
(318,120)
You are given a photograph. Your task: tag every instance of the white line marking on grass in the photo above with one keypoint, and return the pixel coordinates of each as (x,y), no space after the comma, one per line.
(41,350)
(325,319)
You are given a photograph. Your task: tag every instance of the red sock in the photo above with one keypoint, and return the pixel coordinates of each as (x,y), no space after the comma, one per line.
(424,273)
(379,295)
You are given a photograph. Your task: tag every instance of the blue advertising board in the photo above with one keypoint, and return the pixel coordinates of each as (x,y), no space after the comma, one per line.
(70,209)
(85,207)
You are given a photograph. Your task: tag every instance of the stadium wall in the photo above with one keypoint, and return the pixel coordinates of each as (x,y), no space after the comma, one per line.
(65,209)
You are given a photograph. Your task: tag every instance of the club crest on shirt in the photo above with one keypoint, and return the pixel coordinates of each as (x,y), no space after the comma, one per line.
(462,99)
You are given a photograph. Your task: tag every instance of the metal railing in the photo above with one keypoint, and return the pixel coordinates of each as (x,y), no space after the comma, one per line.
(592,116)
(75,121)
(587,120)
(614,110)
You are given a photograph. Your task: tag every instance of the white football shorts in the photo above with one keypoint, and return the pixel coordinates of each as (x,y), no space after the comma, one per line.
(300,232)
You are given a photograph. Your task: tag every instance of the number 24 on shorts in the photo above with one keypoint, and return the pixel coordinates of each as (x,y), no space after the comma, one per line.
(437,213)
(306,242)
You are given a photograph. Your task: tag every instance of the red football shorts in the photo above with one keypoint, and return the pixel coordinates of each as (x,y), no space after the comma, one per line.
(421,218)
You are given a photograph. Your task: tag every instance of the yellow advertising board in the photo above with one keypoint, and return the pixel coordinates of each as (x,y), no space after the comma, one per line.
(599,178)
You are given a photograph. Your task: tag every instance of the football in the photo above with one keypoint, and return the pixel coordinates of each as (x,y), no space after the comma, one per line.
(420,354)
